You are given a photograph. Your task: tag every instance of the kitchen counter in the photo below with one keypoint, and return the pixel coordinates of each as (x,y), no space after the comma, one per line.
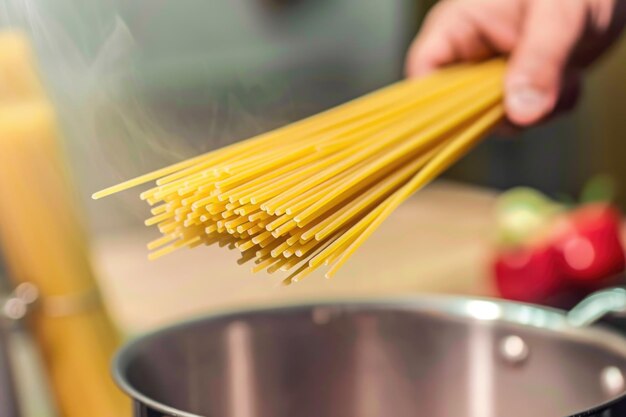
(437,242)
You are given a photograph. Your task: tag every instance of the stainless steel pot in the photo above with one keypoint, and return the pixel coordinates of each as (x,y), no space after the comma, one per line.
(417,356)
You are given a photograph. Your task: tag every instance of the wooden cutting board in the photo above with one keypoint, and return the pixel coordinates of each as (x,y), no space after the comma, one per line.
(437,242)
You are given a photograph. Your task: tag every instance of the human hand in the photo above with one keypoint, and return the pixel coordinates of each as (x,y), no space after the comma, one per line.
(549,42)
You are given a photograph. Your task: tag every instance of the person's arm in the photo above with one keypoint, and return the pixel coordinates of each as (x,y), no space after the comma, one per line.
(549,42)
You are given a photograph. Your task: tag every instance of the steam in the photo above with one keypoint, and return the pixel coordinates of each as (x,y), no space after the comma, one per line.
(108,131)
(124,111)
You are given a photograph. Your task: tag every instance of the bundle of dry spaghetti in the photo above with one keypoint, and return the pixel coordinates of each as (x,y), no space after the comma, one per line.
(43,243)
(310,193)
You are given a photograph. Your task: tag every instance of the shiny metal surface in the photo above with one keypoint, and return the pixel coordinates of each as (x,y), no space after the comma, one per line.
(24,390)
(514,350)
(598,305)
(8,399)
(429,356)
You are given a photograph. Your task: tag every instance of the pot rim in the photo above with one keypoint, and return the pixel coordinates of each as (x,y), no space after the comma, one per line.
(470,309)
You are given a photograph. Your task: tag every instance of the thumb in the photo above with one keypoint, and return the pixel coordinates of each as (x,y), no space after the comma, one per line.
(550,33)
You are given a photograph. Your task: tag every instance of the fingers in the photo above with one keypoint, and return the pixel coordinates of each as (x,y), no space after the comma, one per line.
(428,54)
(432,48)
(463,31)
(568,98)
(539,35)
(535,76)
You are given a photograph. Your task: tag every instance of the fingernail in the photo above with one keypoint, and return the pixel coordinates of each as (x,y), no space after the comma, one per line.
(526,103)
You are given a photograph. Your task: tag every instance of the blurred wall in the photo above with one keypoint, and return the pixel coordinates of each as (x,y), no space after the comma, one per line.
(603,121)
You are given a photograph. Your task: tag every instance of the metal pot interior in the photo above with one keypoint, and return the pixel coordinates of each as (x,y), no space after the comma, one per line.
(429,357)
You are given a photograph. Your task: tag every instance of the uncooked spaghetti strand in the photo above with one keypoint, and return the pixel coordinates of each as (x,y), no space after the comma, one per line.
(396,134)
(304,270)
(312,192)
(346,108)
(322,190)
(357,206)
(142,179)
(424,139)
(358,229)
(345,189)
(457,147)
(346,237)
(305,199)
(390,115)
(154,175)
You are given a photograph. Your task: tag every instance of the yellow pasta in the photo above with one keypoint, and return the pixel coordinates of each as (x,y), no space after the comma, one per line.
(43,243)
(310,193)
